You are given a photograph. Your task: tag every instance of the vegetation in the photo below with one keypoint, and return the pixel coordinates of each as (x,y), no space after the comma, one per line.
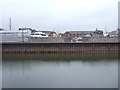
(60,57)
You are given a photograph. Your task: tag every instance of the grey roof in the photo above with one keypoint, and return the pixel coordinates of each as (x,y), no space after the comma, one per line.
(78,32)
(113,32)
(33,30)
(1,29)
(46,31)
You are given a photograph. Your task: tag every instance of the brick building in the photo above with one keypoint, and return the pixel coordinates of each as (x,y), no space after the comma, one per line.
(84,33)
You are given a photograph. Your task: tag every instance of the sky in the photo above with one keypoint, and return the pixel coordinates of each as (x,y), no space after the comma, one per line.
(60,15)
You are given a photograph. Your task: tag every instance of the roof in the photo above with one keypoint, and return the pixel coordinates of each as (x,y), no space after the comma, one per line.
(1,29)
(77,32)
(113,32)
(33,30)
(47,32)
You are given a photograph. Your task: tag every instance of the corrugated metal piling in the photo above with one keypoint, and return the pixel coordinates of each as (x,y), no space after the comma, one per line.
(60,47)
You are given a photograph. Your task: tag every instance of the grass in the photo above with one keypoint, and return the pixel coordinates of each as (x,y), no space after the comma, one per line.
(61,57)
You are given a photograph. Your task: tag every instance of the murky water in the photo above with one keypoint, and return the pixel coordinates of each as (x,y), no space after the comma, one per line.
(60,71)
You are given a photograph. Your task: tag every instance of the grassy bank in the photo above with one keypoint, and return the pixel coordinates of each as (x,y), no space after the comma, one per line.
(60,57)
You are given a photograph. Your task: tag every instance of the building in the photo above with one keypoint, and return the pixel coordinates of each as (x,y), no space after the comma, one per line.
(97,33)
(83,36)
(1,29)
(50,33)
(27,29)
(26,32)
(84,33)
(113,33)
(78,33)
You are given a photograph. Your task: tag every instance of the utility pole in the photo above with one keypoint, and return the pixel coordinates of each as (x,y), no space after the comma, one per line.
(22,36)
(53,28)
(10,23)
(106,30)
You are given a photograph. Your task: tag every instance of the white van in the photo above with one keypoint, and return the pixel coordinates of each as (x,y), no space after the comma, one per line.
(39,34)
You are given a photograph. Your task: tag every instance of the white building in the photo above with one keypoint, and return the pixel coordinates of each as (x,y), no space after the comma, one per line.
(26,32)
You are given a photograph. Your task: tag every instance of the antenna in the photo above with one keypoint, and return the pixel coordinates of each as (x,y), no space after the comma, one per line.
(105,29)
(53,28)
(10,23)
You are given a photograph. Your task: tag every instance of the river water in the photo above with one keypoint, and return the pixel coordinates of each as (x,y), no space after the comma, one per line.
(60,71)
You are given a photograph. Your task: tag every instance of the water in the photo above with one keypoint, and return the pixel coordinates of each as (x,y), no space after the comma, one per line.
(60,71)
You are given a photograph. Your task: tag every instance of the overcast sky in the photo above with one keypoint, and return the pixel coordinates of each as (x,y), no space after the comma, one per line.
(60,14)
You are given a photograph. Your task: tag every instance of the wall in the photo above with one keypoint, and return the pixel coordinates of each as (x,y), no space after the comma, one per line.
(60,47)
(45,40)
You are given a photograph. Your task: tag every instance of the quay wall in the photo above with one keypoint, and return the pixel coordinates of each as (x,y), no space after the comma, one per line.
(46,40)
(103,39)
(60,47)
(68,40)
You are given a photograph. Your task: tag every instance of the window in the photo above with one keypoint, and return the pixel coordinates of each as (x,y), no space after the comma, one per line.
(74,35)
(43,34)
(78,35)
(37,34)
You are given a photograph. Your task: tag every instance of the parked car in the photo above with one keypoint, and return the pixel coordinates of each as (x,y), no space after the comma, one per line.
(39,34)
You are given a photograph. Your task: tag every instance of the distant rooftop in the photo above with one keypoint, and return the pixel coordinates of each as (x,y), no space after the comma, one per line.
(76,32)
(1,29)
(27,29)
(86,32)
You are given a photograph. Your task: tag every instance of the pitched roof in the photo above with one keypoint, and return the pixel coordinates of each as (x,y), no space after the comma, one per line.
(33,30)
(48,32)
(113,32)
(78,32)
(1,29)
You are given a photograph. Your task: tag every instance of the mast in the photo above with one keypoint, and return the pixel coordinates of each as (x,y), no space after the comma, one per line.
(105,29)
(10,23)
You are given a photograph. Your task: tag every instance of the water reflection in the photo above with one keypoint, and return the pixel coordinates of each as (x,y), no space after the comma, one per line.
(60,71)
